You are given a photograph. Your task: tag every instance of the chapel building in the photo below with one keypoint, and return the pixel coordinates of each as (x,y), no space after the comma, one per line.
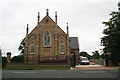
(48,42)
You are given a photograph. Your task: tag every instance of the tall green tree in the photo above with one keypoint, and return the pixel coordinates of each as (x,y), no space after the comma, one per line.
(4,61)
(95,55)
(102,56)
(22,46)
(85,54)
(17,59)
(111,40)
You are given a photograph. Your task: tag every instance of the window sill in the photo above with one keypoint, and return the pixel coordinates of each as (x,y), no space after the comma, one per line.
(62,53)
(46,47)
(32,53)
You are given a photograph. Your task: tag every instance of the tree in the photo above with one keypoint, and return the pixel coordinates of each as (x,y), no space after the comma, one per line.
(102,56)
(95,55)
(111,40)
(85,54)
(17,59)
(4,61)
(22,46)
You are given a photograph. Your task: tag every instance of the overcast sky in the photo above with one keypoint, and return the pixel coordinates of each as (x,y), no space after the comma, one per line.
(85,19)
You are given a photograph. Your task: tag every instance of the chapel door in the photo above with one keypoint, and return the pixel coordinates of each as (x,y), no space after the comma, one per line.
(72,59)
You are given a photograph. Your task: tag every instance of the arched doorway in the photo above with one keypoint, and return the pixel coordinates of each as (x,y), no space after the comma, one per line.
(72,59)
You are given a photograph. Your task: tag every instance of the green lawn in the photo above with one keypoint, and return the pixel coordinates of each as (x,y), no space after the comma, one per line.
(40,68)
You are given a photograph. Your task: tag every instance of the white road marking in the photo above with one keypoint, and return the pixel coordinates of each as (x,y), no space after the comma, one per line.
(23,72)
(95,71)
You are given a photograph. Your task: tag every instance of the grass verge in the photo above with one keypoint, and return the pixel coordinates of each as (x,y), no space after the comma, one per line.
(39,68)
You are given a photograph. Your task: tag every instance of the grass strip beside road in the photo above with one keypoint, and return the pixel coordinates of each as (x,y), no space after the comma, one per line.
(40,68)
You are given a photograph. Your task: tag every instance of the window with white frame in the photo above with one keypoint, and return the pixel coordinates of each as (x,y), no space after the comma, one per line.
(61,48)
(47,39)
(55,35)
(32,48)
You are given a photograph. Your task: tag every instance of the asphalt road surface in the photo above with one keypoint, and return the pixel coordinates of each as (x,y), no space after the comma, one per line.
(102,74)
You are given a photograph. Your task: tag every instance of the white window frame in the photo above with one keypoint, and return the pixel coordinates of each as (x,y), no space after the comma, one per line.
(62,45)
(45,41)
(32,46)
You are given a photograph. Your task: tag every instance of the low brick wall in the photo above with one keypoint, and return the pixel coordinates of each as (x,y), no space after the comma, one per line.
(98,61)
(20,65)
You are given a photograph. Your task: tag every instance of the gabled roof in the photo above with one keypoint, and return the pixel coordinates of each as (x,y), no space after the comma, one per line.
(47,17)
(74,44)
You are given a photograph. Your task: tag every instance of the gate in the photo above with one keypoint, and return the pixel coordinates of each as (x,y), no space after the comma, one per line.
(72,59)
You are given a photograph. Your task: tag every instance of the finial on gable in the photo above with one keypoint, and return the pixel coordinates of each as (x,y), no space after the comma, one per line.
(67,30)
(56,17)
(67,25)
(38,18)
(47,13)
(27,30)
(38,14)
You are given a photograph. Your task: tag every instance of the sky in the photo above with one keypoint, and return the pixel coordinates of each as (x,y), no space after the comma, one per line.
(84,18)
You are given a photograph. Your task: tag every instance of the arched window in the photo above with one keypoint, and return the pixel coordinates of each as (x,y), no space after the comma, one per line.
(32,48)
(47,39)
(62,48)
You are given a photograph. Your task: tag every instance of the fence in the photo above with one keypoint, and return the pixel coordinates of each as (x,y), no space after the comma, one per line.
(46,59)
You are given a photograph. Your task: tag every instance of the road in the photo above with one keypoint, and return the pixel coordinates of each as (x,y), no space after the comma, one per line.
(103,74)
